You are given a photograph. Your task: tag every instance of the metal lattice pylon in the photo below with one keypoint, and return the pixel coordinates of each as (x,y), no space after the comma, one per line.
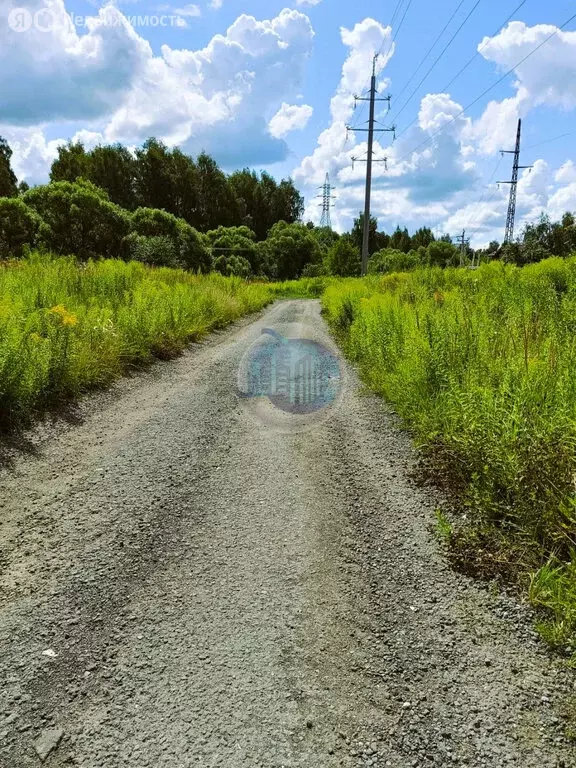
(326,205)
(509,234)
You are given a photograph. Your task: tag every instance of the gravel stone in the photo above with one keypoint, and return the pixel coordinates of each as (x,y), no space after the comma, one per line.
(213,585)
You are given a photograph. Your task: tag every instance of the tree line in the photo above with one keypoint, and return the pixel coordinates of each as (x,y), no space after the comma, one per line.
(160,206)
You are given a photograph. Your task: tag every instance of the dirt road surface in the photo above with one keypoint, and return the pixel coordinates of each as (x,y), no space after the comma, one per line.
(183,584)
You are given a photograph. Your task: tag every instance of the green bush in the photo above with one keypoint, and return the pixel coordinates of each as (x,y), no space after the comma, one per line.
(391,260)
(344,258)
(233,266)
(158,250)
(288,249)
(79,219)
(188,245)
(19,226)
(235,241)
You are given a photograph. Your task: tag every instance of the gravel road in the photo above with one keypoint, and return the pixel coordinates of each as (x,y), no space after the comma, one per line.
(184,584)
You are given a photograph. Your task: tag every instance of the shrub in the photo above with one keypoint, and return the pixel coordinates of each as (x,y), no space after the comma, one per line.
(344,258)
(158,250)
(19,226)
(188,245)
(232,266)
(288,249)
(79,219)
(391,260)
(235,241)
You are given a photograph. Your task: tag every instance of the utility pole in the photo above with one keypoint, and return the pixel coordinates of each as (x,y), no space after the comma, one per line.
(326,203)
(370,158)
(509,234)
(464,242)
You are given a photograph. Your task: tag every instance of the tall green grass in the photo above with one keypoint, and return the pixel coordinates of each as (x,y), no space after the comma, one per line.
(482,367)
(66,327)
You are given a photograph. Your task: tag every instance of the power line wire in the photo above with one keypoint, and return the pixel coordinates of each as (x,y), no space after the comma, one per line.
(448,44)
(477,53)
(476,208)
(394,37)
(486,91)
(548,141)
(429,51)
(445,88)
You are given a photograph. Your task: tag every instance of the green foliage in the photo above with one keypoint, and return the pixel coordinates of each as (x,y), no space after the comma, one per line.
(238,242)
(288,249)
(443,254)
(344,259)
(19,226)
(156,250)
(553,588)
(443,526)
(66,327)
(72,163)
(262,201)
(79,219)
(400,240)
(230,266)
(391,260)
(357,233)
(187,247)
(8,180)
(325,237)
(480,365)
(113,168)
(197,191)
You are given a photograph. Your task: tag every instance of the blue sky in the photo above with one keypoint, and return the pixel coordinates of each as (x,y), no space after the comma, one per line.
(269,84)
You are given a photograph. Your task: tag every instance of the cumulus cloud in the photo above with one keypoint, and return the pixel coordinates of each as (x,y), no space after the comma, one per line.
(63,75)
(308,2)
(190,11)
(566,173)
(289,118)
(363,41)
(218,98)
(547,77)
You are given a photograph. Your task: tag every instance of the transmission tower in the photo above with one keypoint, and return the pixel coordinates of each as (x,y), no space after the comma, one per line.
(326,203)
(370,158)
(509,234)
(464,242)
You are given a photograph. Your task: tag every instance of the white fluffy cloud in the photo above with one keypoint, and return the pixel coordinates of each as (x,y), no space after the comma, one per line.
(548,77)
(308,2)
(433,176)
(289,118)
(188,11)
(331,154)
(63,75)
(219,98)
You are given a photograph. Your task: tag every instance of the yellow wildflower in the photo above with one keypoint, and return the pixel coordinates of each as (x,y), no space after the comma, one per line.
(69,319)
(65,317)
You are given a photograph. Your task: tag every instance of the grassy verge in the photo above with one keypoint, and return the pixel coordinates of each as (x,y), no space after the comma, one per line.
(481,366)
(67,327)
